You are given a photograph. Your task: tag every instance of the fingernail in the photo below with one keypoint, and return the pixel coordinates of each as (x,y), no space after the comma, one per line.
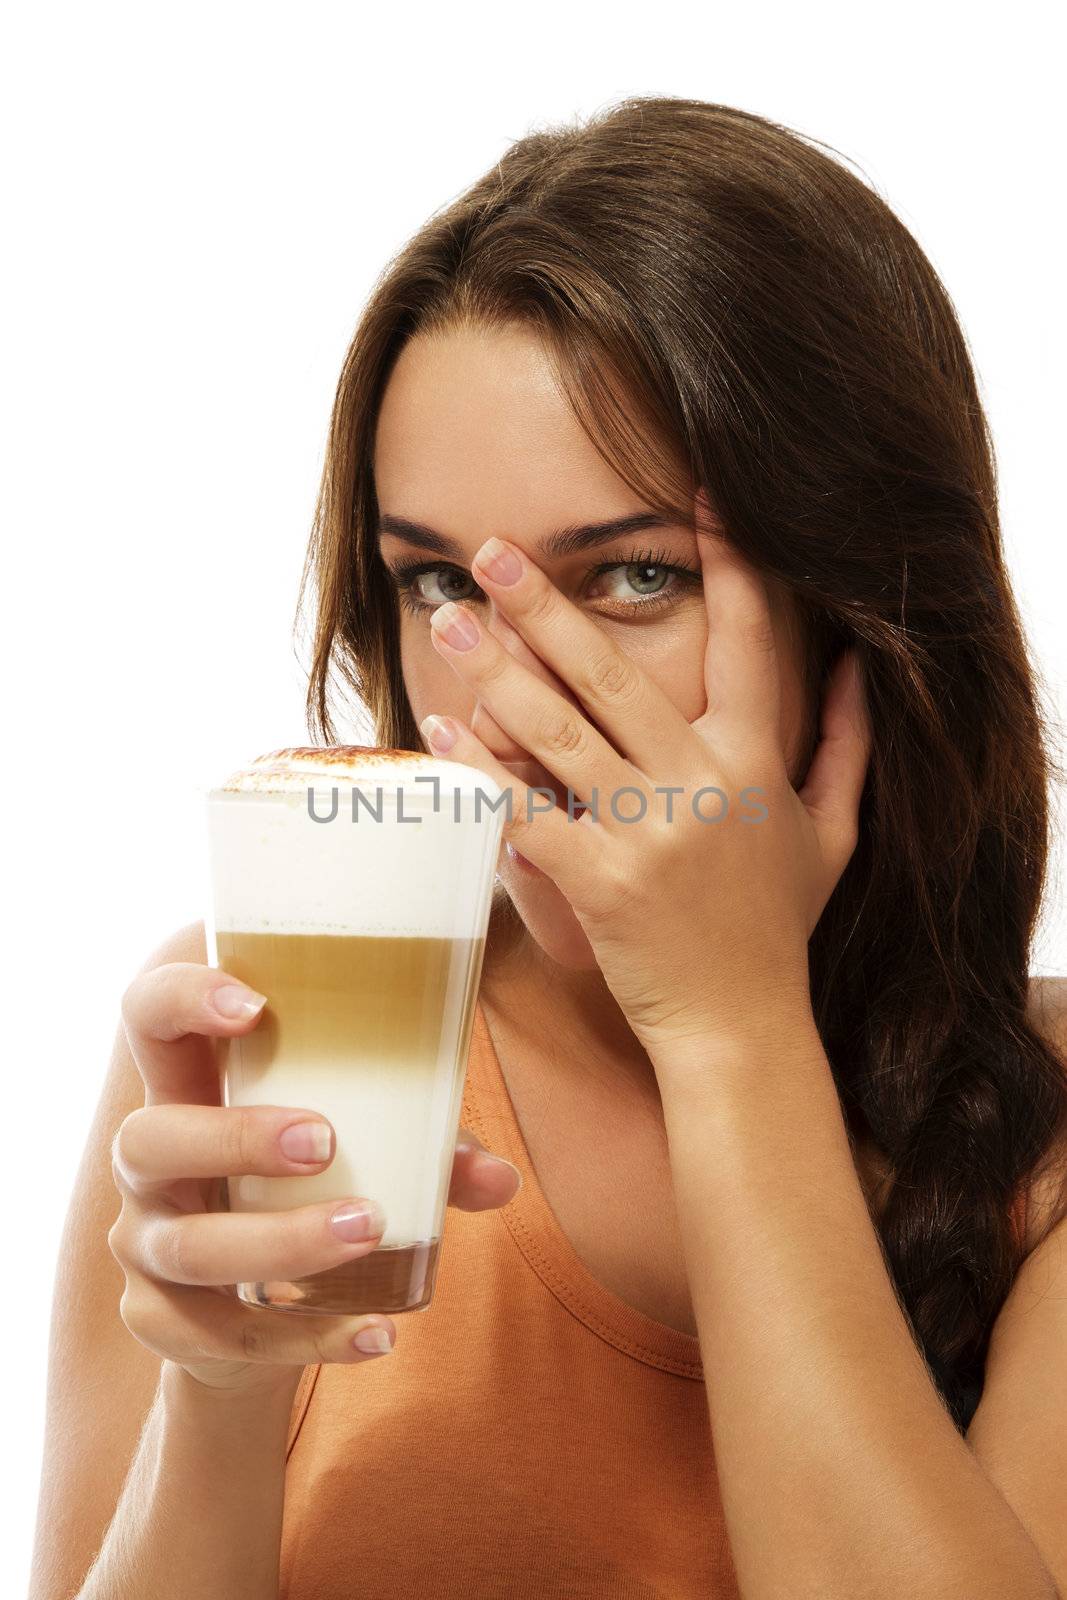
(236,1000)
(499,561)
(439,733)
(373,1341)
(306,1141)
(358,1220)
(455,626)
(498,1161)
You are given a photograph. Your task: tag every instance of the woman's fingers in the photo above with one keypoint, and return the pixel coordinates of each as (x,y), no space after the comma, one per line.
(181,1260)
(157,1145)
(484,725)
(221,1247)
(206,1248)
(160,1145)
(188,1326)
(170,1014)
(480,1180)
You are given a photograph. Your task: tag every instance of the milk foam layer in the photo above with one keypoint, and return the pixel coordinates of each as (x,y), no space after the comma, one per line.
(289,771)
(276,869)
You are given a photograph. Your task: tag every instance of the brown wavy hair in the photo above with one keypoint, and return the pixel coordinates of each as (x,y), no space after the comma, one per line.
(727,304)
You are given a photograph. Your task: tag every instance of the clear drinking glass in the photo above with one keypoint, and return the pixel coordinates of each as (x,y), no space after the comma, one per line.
(352,886)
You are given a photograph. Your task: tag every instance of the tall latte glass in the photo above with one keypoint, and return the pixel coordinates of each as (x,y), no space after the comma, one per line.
(353,890)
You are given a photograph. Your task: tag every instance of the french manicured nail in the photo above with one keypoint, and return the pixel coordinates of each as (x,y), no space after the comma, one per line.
(353,1222)
(306,1141)
(498,1161)
(235,1000)
(499,561)
(455,626)
(373,1341)
(485,1155)
(439,733)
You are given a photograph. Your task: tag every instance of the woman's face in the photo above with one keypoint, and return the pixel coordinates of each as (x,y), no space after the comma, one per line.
(475,438)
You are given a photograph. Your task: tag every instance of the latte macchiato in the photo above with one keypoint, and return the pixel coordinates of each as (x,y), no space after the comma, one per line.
(360,910)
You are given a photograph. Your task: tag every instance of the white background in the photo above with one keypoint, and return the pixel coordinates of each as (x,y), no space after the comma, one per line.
(197,200)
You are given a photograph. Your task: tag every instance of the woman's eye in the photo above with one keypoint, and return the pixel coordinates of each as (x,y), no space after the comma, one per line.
(635,580)
(433,586)
(635,590)
(623,589)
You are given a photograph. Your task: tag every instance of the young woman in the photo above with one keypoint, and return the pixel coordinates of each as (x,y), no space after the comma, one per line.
(657,471)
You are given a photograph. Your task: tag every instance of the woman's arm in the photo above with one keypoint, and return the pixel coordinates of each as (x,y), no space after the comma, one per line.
(101,1381)
(200,1512)
(840,1471)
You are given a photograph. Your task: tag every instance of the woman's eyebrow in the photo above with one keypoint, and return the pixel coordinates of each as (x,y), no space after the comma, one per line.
(564,542)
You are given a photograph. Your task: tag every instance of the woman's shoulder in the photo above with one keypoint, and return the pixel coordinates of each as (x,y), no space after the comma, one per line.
(1047,1197)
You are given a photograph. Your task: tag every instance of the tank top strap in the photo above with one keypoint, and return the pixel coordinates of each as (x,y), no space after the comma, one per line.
(301,1401)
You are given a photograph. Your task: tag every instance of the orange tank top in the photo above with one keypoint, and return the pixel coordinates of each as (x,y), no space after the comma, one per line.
(530,1435)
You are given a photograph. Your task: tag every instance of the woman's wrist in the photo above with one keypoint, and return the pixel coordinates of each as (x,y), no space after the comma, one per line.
(268,1402)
